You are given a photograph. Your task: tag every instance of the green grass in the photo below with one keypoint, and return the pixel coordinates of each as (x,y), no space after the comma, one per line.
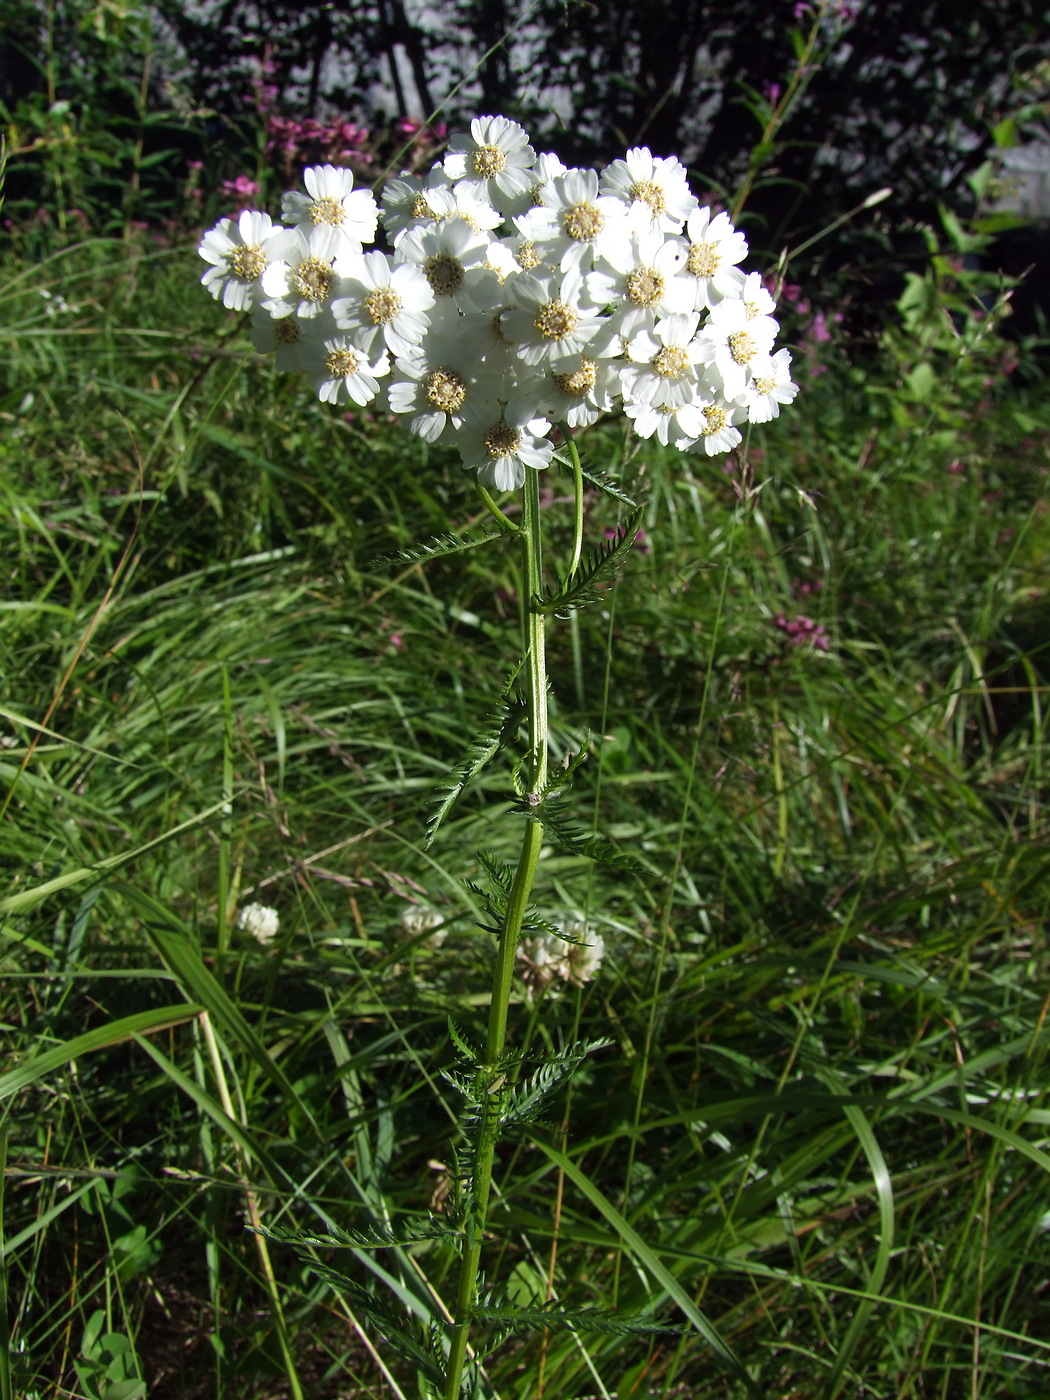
(817,1140)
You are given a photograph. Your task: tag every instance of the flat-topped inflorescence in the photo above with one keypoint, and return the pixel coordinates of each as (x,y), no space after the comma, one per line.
(518,294)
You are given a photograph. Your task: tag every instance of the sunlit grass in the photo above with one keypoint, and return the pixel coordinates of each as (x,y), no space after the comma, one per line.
(818,1133)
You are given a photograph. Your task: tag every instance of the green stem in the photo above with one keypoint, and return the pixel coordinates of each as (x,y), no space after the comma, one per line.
(489,1073)
(577,488)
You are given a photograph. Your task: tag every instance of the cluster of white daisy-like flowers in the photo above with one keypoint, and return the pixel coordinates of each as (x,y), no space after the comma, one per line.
(575,958)
(518,294)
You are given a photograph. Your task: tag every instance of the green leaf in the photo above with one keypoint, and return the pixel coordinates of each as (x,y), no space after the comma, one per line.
(552,816)
(497,732)
(436,548)
(600,569)
(649,1261)
(101,1038)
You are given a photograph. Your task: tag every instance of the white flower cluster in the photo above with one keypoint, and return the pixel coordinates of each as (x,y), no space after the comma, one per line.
(547,956)
(518,294)
(261,921)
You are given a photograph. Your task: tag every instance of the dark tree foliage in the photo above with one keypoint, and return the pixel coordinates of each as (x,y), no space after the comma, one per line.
(905,97)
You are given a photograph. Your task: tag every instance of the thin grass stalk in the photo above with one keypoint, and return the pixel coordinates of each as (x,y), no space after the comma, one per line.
(252,1207)
(490,1075)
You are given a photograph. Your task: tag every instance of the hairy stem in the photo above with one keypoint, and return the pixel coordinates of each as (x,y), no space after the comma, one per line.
(533,625)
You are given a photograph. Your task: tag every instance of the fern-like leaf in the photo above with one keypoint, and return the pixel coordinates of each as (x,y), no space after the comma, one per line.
(522,1102)
(436,548)
(499,729)
(370,1237)
(381,1321)
(553,817)
(600,570)
(608,486)
(512,1317)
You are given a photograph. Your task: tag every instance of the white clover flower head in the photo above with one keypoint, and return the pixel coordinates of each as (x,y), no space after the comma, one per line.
(420,919)
(332,200)
(261,921)
(240,253)
(575,959)
(496,158)
(655,189)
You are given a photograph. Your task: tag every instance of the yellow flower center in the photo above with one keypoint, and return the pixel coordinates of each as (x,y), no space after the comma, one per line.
(765,386)
(327,211)
(445,390)
(382,305)
(555,320)
(313,279)
(647,192)
(421,209)
(742,347)
(287,331)
(717,419)
(444,273)
(751,309)
(583,222)
(580,382)
(248,262)
(645,286)
(671,361)
(488,161)
(341,363)
(703,259)
(526,256)
(502,440)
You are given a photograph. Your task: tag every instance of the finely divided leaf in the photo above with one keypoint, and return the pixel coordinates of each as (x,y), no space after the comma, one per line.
(436,548)
(600,569)
(498,730)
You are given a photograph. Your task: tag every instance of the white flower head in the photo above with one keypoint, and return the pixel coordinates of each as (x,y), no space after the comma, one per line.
(282,337)
(719,433)
(715,247)
(579,391)
(574,224)
(575,959)
(496,158)
(437,381)
(502,445)
(383,303)
(642,280)
(419,920)
(340,369)
(304,275)
(332,200)
(552,318)
(655,189)
(675,425)
(260,921)
(662,363)
(407,200)
(731,340)
(769,385)
(453,258)
(239,253)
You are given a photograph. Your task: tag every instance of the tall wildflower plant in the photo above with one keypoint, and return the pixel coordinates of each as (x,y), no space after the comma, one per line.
(519,297)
